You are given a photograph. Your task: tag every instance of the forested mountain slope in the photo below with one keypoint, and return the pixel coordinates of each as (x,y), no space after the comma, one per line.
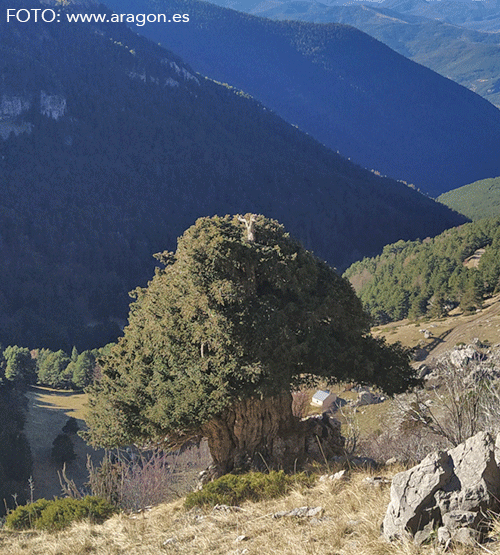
(477,200)
(469,57)
(112,146)
(430,277)
(346,89)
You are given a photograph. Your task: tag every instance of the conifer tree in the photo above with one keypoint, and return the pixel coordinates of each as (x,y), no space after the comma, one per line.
(240,317)
(20,367)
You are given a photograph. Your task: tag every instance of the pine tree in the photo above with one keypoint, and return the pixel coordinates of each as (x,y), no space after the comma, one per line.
(83,369)
(52,368)
(19,365)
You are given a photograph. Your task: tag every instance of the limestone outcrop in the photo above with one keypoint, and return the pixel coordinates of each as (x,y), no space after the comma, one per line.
(450,494)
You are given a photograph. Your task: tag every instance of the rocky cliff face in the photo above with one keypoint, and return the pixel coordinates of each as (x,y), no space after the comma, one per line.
(15,108)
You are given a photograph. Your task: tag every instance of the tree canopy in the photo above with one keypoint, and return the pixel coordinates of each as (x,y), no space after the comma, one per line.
(241,311)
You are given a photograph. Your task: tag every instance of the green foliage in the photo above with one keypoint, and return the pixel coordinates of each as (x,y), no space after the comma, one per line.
(63,450)
(25,516)
(57,369)
(428,278)
(19,365)
(477,200)
(234,489)
(59,514)
(83,369)
(227,319)
(52,368)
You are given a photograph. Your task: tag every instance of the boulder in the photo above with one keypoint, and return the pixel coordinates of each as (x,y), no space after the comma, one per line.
(323,437)
(420,354)
(368,398)
(453,491)
(461,357)
(422,371)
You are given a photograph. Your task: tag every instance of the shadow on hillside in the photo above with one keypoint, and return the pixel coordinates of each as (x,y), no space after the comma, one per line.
(436,341)
(49,411)
(56,392)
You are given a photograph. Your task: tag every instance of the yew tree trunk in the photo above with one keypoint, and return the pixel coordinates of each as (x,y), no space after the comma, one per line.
(263,433)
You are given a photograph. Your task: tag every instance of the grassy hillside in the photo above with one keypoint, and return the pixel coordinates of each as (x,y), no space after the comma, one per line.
(477,200)
(353,511)
(350,525)
(344,88)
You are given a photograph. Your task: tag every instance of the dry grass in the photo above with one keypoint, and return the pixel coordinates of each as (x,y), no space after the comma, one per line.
(447,332)
(350,526)
(69,402)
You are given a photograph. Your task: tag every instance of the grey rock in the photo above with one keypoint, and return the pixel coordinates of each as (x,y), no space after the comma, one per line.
(412,492)
(367,398)
(226,508)
(466,536)
(424,535)
(377,481)
(340,475)
(450,490)
(443,535)
(461,519)
(301,512)
(460,357)
(420,354)
(423,370)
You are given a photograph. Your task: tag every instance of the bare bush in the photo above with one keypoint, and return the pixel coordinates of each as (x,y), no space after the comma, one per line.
(350,429)
(300,403)
(133,480)
(406,447)
(465,403)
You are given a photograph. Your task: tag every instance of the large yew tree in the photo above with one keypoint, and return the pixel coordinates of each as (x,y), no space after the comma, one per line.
(241,316)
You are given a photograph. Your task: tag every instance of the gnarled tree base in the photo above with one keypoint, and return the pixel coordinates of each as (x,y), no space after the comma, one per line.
(263,434)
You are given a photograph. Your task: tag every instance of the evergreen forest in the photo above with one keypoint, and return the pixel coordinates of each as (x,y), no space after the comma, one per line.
(414,279)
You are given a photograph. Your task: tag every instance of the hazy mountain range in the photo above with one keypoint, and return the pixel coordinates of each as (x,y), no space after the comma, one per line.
(471,58)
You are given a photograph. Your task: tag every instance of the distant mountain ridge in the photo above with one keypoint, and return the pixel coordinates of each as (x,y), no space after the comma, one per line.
(346,89)
(482,15)
(469,57)
(479,15)
(112,146)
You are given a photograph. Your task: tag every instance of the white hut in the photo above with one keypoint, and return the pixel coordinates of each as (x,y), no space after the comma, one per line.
(324,399)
